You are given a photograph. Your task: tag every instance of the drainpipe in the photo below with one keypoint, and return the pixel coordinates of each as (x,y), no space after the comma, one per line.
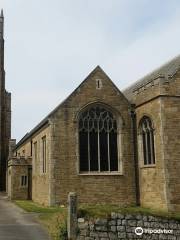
(135,147)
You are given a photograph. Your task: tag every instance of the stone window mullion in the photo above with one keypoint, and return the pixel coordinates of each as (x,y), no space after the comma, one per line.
(99,166)
(98,141)
(89,160)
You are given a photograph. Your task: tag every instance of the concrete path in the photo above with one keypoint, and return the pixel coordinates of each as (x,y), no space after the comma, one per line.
(15,224)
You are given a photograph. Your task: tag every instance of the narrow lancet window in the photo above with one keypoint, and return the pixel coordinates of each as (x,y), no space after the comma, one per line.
(147,139)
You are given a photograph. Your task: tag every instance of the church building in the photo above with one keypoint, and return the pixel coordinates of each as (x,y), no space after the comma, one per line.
(109,146)
(5,113)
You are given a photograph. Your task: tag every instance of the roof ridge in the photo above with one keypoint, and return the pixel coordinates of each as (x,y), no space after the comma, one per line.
(168,69)
(45,119)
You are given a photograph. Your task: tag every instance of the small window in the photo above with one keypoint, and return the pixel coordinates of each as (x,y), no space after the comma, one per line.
(31,148)
(35,156)
(23,180)
(23,152)
(35,151)
(147,140)
(98,83)
(44,155)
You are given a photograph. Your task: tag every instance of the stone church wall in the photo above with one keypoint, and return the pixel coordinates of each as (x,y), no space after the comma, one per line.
(117,188)
(171,123)
(24,150)
(152,177)
(40,180)
(172,149)
(18,168)
(161,182)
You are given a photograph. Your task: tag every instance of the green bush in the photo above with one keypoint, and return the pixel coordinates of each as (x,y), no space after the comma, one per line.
(63,235)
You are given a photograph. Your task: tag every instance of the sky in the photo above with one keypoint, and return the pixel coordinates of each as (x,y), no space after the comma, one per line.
(52,45)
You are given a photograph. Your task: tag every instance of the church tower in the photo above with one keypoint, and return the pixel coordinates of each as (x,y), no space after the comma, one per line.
(5,112)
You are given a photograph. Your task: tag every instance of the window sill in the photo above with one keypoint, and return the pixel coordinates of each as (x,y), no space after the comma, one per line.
(100,174)
(149,166)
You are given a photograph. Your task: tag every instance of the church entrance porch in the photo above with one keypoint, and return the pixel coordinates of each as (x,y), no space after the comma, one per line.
(20,178)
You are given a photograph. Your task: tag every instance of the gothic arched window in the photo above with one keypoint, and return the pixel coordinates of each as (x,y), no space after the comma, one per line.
(98,148)
(147,139)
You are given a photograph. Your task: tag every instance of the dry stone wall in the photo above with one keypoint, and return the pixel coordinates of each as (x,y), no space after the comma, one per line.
(120,226)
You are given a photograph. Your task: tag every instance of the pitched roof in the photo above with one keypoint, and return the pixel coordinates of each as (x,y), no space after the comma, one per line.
(46,119)
(166,71)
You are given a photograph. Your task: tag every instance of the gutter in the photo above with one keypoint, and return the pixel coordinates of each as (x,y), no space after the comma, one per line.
(135,147)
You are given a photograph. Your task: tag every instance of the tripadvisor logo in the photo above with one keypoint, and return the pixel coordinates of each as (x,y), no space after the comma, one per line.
(139,231)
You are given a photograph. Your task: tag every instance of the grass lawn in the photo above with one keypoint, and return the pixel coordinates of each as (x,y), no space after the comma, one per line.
(54,218)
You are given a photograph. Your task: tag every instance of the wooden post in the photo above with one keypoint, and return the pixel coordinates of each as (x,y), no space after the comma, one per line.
(72,216)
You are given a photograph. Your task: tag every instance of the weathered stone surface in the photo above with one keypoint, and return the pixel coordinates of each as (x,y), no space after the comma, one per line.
(112,223)
(91,226)
(154,236)
(112,236)
(113,228)
(152,218)
(147,224)
(173,226)
(164,225)
(103,234)
(170,237)
(140,223)
(101,228)
(138,217)
(131,235)
(84,232)
(145,218)
(120,228)
(163,236)
(154,224)
(132,223)
(81,220)
(125,228)
(122,235)
(124,222)
(120,216)
(119,222)
(94,234)
(80,237)
(114,215)
(101,221)
(83,225)
(129,216)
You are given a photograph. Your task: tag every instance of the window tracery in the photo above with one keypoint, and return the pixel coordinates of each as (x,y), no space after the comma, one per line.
(98,140)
